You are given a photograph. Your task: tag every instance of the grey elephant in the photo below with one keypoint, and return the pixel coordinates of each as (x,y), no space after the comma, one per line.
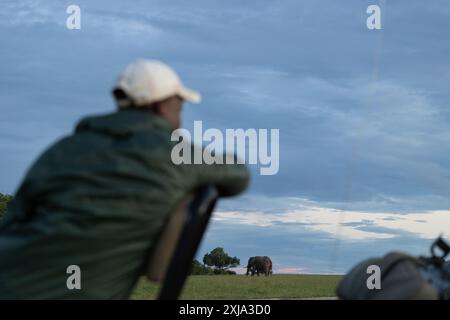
(259,264)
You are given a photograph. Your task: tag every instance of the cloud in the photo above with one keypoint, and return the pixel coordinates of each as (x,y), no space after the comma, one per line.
(122,27)
(25,13)
(351,140)
(297,246)
(347,225)
(372,152)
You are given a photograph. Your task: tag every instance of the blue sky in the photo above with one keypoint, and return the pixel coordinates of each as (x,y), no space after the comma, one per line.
(363,115)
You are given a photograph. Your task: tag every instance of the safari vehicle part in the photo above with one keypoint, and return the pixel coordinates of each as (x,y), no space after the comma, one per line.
(172,258)
(437,269)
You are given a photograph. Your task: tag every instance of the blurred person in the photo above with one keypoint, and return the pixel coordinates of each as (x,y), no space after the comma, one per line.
(98,198)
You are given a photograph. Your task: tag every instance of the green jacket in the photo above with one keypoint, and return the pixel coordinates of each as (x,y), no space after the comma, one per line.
(97,199)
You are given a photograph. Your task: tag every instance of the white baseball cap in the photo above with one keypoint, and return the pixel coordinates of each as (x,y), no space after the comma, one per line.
(149,81)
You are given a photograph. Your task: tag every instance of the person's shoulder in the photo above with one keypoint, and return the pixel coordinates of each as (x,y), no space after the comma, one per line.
(123,123)
(109,119)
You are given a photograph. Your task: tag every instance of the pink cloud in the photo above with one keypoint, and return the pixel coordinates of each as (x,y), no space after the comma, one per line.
(290,270)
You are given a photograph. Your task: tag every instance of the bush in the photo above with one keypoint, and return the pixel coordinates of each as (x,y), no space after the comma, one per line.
(200,269)
(4,200)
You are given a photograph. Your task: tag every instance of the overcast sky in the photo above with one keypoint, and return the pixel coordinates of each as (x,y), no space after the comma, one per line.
(363,114)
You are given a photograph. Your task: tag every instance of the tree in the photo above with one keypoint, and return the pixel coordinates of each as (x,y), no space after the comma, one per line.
(219,259)
(4,200)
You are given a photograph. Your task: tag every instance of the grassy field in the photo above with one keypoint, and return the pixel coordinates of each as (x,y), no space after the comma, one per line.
(242,287)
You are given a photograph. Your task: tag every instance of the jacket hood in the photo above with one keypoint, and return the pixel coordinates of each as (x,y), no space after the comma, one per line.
(123,123)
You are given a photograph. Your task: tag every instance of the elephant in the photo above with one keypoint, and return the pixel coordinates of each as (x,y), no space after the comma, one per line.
(259,265)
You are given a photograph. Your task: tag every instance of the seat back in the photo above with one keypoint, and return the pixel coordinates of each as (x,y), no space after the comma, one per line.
(172,257)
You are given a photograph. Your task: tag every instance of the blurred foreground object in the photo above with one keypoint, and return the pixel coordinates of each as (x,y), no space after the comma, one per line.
(97,201)
(403,277)
(176,248)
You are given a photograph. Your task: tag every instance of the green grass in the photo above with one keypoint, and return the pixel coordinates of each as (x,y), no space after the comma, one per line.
(242,287)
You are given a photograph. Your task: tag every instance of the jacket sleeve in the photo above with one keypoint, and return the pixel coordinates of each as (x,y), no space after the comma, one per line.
(229,177)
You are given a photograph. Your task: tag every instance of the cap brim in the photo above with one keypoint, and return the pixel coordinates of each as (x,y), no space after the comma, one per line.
(190,95)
